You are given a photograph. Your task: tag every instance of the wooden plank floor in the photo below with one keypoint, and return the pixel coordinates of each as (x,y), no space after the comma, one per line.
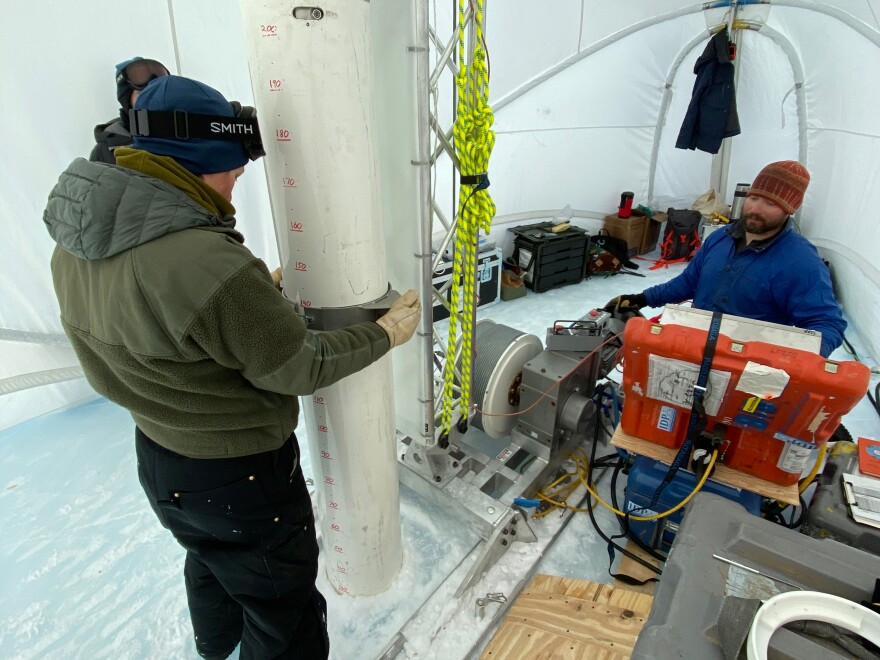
(557,618)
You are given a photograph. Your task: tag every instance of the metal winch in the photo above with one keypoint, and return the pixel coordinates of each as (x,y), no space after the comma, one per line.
(534,407)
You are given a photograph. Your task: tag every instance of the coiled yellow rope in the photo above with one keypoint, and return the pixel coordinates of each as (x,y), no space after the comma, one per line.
(474,140)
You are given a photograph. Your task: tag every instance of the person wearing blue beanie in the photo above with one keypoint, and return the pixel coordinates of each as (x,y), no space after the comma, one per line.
(200,156)
(131,77)
(174,319)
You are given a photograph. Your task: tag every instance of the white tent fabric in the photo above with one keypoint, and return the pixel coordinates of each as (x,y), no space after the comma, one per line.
(589,99)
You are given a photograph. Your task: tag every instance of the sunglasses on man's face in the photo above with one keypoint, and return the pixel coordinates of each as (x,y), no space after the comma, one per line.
(139,74)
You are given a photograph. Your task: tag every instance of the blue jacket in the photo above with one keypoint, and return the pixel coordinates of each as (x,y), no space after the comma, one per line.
(781,281)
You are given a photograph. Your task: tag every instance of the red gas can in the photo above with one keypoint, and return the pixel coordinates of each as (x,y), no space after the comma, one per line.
(777,403)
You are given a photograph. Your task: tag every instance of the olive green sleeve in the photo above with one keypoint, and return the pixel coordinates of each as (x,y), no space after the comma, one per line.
(247,325)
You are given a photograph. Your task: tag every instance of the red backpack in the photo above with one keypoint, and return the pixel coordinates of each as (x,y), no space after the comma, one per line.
(681,237)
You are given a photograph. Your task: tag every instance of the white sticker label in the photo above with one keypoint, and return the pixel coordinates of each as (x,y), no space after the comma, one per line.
(636,510)
(504,455)
(525,256)
(795,454)
(762,381)
(673,381)
(667,419)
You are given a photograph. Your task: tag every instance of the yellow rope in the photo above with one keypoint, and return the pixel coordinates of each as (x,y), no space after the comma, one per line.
(474,139)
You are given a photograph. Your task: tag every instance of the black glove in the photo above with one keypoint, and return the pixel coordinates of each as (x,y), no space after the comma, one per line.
(629,302)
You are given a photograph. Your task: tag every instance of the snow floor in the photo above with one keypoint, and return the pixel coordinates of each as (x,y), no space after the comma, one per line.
(87,571)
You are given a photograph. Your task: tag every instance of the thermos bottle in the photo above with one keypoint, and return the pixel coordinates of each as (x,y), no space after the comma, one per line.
(739,198)
(626,204)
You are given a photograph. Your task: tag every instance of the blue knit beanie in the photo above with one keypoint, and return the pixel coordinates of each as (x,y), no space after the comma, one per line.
(199,156)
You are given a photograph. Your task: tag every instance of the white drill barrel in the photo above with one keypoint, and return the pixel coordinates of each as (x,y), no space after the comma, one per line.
(311,73)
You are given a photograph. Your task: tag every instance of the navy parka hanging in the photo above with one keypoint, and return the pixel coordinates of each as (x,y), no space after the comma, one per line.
(711,115)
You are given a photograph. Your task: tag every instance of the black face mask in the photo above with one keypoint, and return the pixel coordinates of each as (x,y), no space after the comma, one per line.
(182,125)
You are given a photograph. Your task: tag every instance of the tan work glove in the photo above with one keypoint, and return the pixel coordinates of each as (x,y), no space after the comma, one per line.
(402,319)
(276,278)
(628,302)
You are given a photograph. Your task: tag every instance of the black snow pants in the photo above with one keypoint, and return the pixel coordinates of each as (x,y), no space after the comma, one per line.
(251,551)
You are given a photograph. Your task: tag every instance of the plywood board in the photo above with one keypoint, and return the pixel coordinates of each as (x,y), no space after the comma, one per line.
(723,474)
(560,618)
(517,641)
(618,595)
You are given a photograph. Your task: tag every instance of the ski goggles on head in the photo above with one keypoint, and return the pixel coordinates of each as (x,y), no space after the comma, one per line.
(138,74)
(253,143)
(182,125)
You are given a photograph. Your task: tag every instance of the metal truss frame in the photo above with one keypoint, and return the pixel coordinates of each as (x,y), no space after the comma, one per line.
(437,140)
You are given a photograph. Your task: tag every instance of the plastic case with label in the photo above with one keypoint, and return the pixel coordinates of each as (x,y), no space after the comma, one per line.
(770,438)
(550,259)
(488,280)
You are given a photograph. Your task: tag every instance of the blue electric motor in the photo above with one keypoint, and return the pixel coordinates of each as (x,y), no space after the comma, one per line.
(644,478)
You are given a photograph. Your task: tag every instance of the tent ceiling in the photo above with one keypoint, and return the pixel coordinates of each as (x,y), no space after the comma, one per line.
(579,114)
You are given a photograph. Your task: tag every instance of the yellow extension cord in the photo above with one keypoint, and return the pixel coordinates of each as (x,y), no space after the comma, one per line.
(812,475)
(474,140)
(582,464)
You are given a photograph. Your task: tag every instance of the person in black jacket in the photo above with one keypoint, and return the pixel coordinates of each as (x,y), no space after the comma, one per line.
(131,77)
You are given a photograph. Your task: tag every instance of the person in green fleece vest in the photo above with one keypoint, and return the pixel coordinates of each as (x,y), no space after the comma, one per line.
(174,319)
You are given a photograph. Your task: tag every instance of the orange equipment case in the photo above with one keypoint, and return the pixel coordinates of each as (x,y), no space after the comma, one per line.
(770,438)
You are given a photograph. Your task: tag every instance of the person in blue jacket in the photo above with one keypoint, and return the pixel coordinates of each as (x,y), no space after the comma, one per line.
(759,267)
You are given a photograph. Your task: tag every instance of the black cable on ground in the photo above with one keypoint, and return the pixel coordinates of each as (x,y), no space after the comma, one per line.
(850,348)
(793,524)
(608,460)
(598,529)
(608,432)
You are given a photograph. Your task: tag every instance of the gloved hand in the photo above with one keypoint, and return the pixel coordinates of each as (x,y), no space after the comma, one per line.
(276,278)
(629,302)
(402,319)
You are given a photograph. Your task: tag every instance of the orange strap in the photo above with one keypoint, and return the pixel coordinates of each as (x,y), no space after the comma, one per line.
(664,263)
